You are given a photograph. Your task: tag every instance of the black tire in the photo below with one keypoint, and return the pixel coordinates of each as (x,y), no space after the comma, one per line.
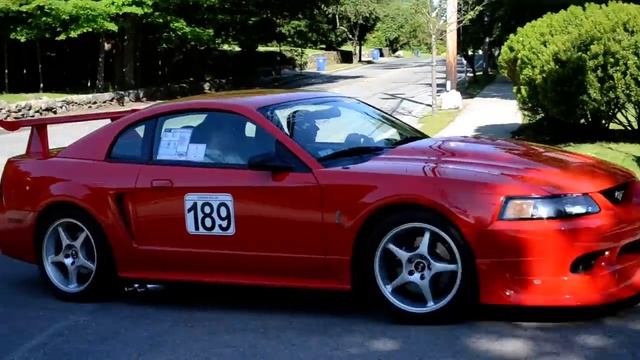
(103,283)
(366,283)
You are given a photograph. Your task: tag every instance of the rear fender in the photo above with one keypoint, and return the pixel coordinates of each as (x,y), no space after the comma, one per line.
(102,206)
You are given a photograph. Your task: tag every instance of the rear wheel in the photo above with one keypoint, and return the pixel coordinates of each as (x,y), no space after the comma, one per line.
(74,257)
(419,268)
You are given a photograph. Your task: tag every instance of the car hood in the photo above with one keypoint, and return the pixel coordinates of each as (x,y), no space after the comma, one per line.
(483,159)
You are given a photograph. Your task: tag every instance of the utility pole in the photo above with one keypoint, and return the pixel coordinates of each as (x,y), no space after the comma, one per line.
(452,44)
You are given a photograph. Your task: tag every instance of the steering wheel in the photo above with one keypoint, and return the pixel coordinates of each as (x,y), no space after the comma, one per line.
(355,139)
(386,141)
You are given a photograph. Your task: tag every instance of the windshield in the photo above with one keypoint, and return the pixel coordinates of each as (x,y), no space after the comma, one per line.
(330,127)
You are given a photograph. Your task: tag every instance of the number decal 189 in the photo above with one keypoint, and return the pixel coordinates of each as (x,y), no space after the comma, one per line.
(209,214)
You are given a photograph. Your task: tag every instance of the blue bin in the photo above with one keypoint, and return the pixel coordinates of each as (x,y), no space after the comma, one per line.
(321,63)
(375,55)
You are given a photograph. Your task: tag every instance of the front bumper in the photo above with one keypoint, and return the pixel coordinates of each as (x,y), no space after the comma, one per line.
(586,261)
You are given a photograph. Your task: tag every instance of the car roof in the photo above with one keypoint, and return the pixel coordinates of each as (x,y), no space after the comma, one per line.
(95,145)
(255,98)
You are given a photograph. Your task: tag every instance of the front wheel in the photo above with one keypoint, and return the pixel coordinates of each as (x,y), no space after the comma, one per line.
(74,258)
(419,268)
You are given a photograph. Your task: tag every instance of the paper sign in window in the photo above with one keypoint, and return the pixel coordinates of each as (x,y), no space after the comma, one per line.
(196,152)
(174,144)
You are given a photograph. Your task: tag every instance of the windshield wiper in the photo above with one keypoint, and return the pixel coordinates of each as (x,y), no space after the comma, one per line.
(354,151)
(409,140)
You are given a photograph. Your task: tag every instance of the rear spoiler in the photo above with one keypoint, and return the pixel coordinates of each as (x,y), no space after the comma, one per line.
(39,136)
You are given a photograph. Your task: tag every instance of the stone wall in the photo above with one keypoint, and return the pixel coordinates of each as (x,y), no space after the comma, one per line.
(333,57)
(48,107)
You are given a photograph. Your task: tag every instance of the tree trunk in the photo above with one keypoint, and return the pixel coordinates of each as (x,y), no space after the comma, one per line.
(39,56)
(117,64)
(487,58)
(138,59)
(473,65)
(359,51)
(25,55)
(130,54)
(100,70)
(434,73)
(354,45)
(5,51)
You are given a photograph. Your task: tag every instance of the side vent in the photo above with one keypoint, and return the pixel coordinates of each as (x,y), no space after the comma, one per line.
(124,212)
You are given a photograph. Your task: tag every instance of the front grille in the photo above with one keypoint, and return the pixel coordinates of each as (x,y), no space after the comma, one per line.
(617,195)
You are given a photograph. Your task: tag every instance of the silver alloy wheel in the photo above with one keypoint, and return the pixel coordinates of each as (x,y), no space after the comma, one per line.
(418,268)
(69,255)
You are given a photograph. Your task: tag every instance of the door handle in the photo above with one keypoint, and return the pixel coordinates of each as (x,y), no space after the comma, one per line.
(161,183)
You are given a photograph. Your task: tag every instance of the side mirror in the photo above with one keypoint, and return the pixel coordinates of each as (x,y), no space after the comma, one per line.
(270,162)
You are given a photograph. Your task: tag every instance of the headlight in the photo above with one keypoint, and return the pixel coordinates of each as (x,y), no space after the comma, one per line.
(548,207)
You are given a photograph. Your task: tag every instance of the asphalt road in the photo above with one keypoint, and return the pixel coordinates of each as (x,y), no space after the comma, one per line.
(205,322)
(211,322)
(401,87)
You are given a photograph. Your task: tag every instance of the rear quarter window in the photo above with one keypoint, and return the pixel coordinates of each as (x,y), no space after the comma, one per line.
(131,144)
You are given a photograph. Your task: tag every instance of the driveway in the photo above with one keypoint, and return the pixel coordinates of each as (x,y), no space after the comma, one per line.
(204,322)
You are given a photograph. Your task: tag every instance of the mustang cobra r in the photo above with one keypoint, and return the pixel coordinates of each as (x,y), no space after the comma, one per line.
(315,190)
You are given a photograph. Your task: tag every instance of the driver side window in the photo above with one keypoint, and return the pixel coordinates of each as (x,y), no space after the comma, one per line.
(211,139)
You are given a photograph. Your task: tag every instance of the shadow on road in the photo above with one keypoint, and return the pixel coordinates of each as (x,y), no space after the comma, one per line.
(553,315)
(497,130)
(193,320)
(399,96)
(305,79)
(418,63)
(249,298)
(498,91)
(346,305)
(26,283)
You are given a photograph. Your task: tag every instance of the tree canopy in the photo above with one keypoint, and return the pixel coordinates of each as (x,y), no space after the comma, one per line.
(98,44)
(501,18)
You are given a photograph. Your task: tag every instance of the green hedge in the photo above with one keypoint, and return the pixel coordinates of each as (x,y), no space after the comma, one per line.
(579,66)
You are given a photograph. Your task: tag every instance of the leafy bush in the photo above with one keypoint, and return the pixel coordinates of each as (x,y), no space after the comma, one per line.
(579,66)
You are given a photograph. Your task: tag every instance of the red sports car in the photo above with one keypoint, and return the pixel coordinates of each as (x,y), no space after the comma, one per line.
(317,190)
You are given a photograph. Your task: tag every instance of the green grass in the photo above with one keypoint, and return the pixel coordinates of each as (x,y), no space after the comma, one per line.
(308,52)
(14,98)
(617,146)
(433,124)
(624,154)
(339,67)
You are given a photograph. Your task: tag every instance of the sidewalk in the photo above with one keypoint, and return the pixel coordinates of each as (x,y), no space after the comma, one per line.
(494,112)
